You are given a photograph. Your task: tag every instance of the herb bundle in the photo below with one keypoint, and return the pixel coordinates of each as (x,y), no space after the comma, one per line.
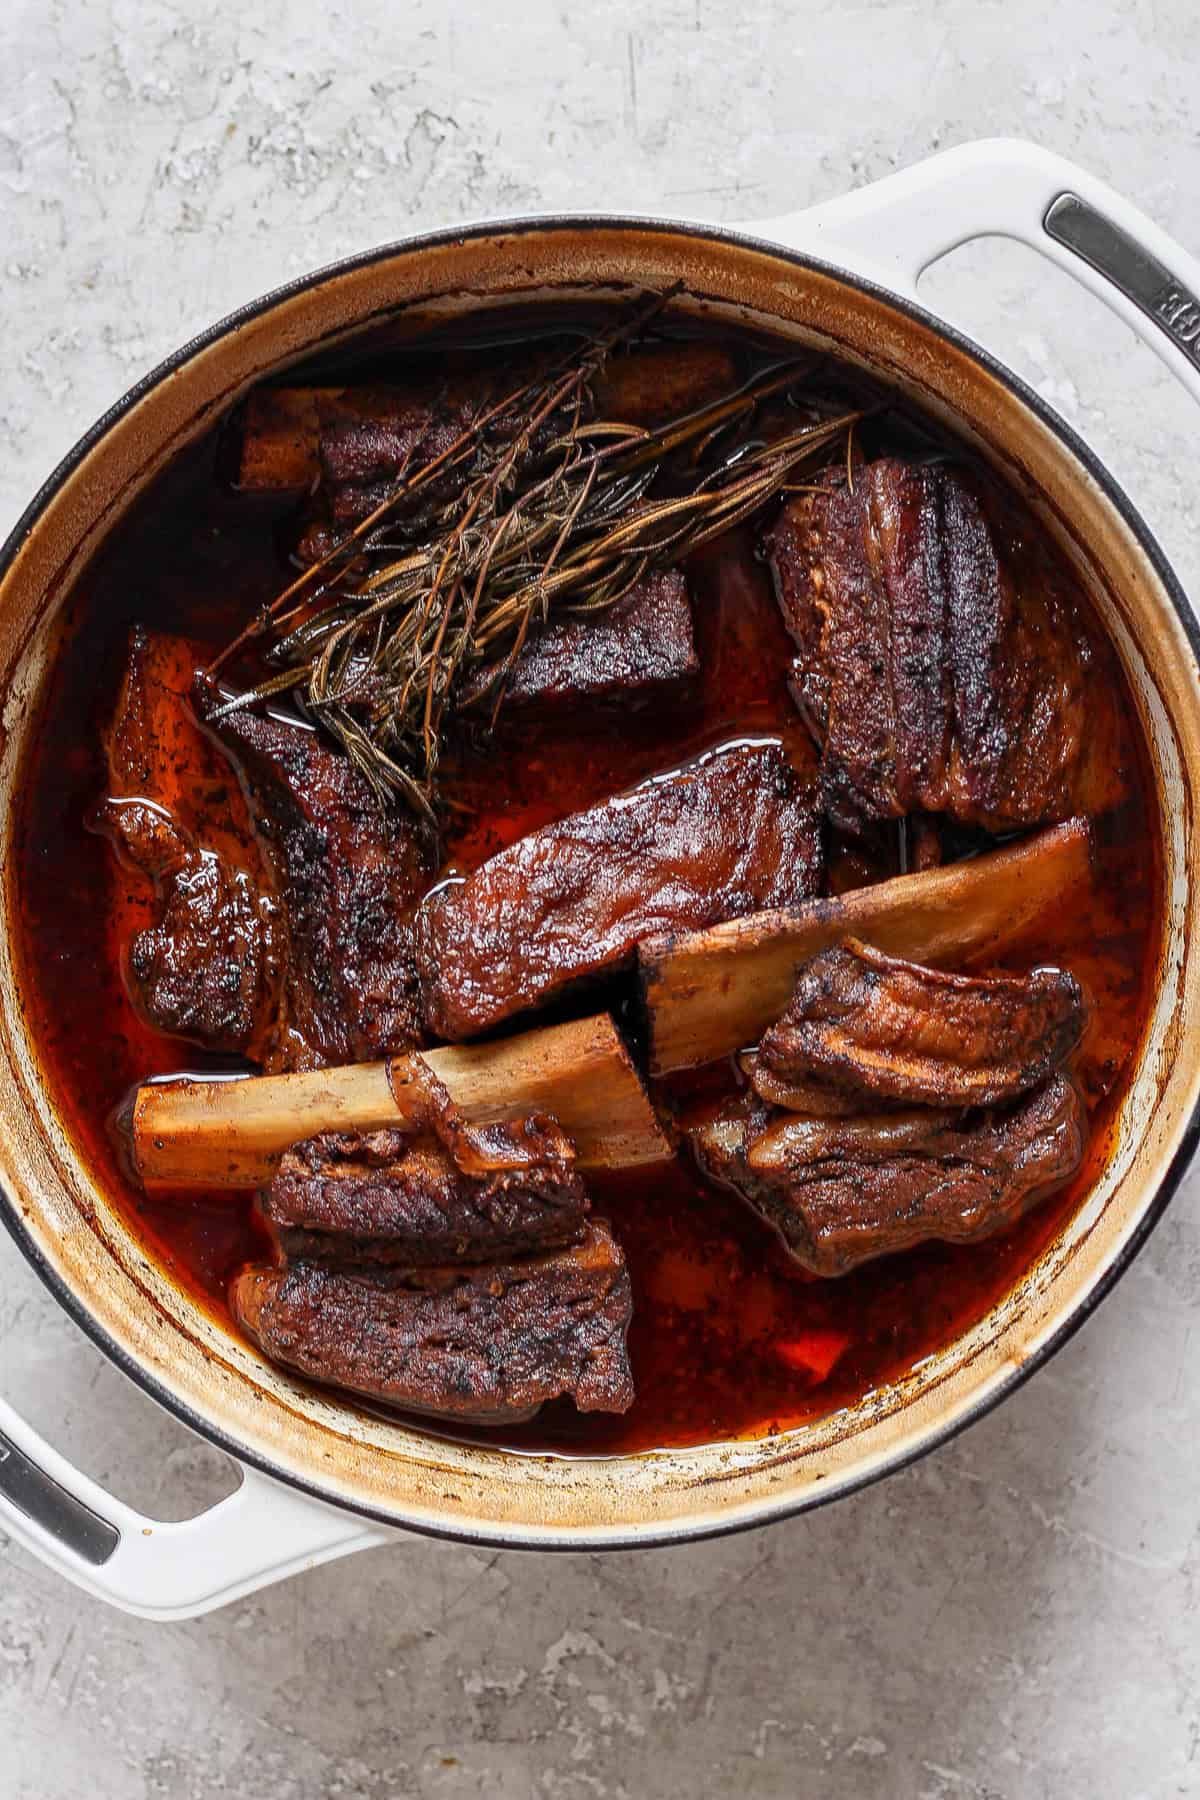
(550,509)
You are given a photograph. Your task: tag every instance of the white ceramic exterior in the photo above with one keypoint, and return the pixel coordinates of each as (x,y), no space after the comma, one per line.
(888,234)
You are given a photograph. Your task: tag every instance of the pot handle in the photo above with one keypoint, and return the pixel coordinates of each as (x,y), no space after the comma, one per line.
(893,230)
(261,1533)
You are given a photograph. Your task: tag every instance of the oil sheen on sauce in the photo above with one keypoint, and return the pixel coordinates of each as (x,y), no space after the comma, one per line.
(728,1339)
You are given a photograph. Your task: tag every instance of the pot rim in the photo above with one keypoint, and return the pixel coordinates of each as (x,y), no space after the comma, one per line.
(754,1514)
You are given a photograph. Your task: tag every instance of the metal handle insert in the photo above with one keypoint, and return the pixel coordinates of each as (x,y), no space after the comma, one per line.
(49,1505)
(1148,283)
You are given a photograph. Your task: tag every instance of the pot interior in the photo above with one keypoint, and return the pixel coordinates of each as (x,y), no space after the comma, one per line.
(58,1206)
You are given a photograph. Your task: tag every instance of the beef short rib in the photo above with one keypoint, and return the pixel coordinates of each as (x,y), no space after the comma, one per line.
(942,664)
(730,834)
(205,969)
(348,870)
(638,648)
(390,1198)
(486,1345)
(841,1192)
(348,448)
(874,1027)
(360,438)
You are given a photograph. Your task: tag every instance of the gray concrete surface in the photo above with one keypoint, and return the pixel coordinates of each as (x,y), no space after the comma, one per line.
(1016,1617)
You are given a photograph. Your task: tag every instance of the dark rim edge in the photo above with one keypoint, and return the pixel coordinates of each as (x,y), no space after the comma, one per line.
(644,1537)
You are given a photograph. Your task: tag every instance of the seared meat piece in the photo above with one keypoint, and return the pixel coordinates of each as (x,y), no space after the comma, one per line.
(652,383)
(632,649)
(348,447)
(389,1198)
(290,946)
(361,438)
(369,436)
(203,972)
(942,665)
(205,969)
(486,1345)
(729,834)
(348,871)
(864,1024)
(842,1191)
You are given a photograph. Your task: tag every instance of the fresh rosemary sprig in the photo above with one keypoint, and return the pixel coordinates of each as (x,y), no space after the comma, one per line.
(551,510)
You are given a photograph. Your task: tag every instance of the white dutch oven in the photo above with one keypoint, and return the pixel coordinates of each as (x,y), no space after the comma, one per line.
(320,1480)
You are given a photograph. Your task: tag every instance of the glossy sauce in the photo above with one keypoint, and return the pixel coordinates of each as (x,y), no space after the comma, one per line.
(729,1338)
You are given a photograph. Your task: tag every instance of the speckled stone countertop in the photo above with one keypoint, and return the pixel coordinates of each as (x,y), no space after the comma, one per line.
(1016,1615)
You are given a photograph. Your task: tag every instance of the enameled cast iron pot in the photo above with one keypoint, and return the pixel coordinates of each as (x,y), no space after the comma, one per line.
(320,1480)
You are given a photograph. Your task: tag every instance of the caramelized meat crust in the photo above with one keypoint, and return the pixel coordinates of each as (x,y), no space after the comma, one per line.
(391,1199)
(485,1345)
(351,446)
(650,383)
(841,1192)
(631,650)
(283,928)
(369,436)
(202,972)
(371,431)
(941,665)
(863,1024)
(730,834)
(205,969)
(348,871)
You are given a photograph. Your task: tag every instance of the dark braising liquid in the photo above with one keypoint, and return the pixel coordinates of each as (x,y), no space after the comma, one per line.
(729,1338)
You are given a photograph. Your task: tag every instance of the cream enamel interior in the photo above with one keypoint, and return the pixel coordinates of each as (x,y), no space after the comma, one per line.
(412,1477)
